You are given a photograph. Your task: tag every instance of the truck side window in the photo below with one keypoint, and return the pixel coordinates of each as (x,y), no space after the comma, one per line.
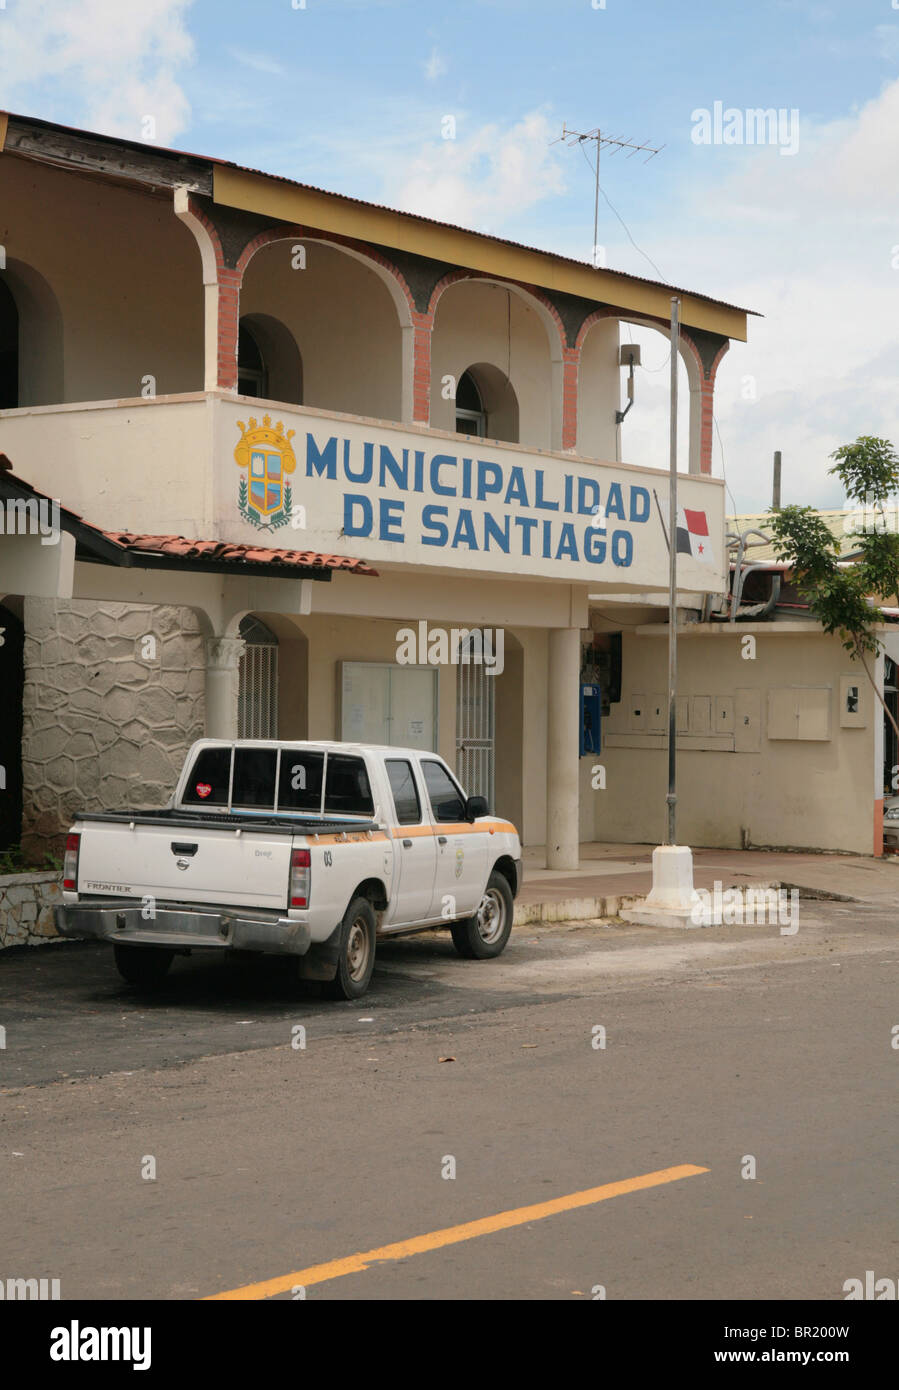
(207,784)
(446,799)
(300,783)
(347,789)
(254,778)
(405,792)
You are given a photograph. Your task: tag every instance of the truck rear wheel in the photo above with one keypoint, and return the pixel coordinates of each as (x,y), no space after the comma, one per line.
(143,966)
(357,952)
(484,935)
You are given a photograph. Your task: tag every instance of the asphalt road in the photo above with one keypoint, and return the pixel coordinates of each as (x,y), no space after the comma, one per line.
(271,1160)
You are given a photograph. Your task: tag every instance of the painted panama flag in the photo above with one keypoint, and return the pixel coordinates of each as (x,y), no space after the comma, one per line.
(692,535)
(264,494)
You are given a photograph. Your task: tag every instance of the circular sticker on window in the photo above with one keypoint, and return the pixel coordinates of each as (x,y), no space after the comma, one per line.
(203,789)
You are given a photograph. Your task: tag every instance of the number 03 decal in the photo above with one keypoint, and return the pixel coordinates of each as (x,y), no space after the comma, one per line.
(328,860)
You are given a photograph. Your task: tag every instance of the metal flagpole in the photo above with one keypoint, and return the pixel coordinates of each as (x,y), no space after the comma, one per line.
(671,798)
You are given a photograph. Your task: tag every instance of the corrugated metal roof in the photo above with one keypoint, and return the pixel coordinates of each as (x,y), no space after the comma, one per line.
(382,207)
(756,552)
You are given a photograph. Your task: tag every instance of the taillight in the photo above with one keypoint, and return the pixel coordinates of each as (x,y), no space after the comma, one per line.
(70,863)
(300,877)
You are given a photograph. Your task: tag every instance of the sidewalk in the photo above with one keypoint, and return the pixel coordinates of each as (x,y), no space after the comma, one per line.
(611,877)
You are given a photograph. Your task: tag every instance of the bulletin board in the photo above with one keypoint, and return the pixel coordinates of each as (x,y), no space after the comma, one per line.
(383,703)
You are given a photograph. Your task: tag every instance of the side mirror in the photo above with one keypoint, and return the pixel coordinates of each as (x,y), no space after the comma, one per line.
(476,806)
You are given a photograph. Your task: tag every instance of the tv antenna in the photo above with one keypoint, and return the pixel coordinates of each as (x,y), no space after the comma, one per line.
(613,144)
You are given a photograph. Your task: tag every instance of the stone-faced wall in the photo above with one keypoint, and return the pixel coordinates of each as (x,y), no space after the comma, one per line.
(26,909)
(105,726)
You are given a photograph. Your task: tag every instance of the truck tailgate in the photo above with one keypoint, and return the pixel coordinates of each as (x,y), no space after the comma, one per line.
(182,864)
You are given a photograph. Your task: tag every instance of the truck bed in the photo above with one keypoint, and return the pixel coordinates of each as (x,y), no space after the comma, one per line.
(212,857)
(223,820)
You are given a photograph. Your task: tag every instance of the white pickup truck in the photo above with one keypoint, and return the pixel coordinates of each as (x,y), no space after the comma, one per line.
(310,850)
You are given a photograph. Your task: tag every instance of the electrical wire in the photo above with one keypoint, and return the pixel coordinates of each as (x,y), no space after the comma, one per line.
(723,469)
(618,214)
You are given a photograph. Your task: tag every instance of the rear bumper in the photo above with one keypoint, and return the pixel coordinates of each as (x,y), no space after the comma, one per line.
(182,928)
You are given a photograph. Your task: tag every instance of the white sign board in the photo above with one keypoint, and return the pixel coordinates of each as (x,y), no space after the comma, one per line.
(304,481)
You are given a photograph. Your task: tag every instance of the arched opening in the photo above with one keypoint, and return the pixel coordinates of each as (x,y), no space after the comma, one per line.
(31,342)
(642,438)
(486,404)
(257,702)
(507,341)
(471,417)
(9,350)
(269,365)
(12,684)
(341,320)
(252,376)
(273,685)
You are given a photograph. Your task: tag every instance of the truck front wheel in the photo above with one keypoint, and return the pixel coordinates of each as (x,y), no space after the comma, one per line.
(484,935)
(356,959)
(143,966)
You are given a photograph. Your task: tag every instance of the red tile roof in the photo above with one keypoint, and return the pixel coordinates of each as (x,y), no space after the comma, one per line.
(179,548)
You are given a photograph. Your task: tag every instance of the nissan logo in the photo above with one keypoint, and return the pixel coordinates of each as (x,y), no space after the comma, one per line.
(183,863)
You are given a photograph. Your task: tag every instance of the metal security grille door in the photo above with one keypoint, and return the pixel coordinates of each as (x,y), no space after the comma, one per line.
(257,706)
(474,722)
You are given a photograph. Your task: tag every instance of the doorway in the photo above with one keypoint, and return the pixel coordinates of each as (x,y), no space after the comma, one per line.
(12,683)
(475,721)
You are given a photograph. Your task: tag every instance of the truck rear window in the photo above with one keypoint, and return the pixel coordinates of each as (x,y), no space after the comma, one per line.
(300,783)
(209,777)
(347,790)
(254,778)
(302,770)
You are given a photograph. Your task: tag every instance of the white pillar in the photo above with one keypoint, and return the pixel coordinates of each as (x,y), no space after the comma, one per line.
(222,685)
(563,675)
(210,287)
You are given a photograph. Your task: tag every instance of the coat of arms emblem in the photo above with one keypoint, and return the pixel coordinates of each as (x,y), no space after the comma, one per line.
(264,496)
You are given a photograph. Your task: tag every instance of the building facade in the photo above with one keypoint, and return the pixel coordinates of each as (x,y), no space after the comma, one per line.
(237,386)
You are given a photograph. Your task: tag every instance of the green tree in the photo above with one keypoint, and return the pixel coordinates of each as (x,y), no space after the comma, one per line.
(844,598)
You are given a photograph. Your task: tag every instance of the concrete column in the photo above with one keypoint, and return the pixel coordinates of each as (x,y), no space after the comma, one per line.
(563,674)
(222,685)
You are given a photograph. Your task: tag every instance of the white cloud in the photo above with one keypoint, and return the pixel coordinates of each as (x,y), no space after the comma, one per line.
(259,62)
(108,64)
(807,242)
(435,66)
(486,178)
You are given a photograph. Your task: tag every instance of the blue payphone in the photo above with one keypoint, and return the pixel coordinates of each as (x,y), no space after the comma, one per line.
(591,720)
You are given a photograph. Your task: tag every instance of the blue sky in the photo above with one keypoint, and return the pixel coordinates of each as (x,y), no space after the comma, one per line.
(351,95)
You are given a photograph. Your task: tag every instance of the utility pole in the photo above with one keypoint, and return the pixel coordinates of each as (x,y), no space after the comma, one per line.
(775,503)
(671,798)
(613,145)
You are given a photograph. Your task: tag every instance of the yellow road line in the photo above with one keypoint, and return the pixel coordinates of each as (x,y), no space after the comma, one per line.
(451,1235)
